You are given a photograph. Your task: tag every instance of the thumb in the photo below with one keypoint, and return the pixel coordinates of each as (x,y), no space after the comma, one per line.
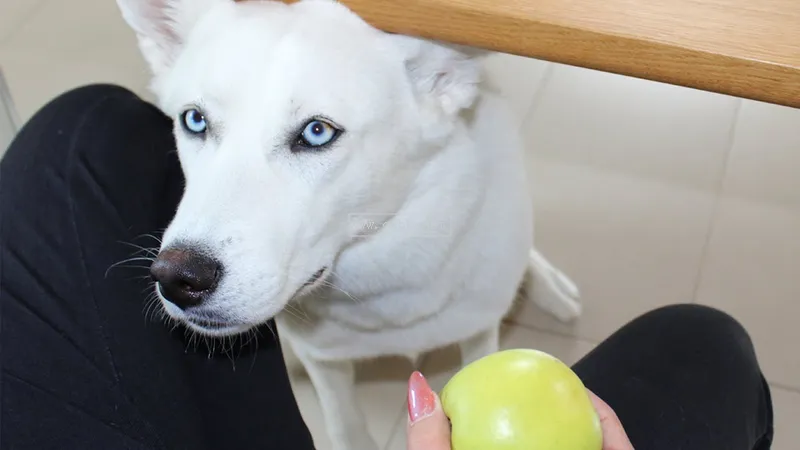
(614,436)
(428,427)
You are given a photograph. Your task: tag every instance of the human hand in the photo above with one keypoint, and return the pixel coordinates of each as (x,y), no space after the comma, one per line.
(614,436)
(429,429)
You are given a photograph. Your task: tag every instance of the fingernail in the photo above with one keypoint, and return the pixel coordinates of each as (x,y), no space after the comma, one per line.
(421,399)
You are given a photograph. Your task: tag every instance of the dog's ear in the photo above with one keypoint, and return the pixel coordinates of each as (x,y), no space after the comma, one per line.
(162,25)
(447,76)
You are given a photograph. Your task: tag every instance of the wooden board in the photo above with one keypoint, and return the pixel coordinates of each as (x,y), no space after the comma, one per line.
(744,48)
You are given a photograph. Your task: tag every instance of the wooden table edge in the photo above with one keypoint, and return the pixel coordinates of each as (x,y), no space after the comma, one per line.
(625,55)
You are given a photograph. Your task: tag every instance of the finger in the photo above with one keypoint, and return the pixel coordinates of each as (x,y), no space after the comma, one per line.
(614,436)
(428,427)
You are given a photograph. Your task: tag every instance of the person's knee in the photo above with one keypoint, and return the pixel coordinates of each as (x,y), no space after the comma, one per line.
(77,102)
(689,314)
(77,107)
(104,129)
(692,322)
(97,112)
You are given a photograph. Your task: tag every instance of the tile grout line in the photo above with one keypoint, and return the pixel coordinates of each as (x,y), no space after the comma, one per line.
(551,332)
(784,387)
(717,194)
(537,94)
(396,427)
(7,106)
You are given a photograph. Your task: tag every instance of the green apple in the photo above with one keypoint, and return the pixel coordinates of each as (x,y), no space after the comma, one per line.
(520,399)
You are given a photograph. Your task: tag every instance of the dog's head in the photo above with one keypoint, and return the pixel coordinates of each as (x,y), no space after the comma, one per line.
(291,122)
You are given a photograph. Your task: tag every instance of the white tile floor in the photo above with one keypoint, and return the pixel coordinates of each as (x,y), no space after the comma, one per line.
(647,194)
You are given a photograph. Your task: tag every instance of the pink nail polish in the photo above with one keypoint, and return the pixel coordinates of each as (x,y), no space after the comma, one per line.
(421,399)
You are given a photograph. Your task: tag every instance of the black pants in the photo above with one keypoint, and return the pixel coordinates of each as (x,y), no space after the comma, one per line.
(84,369)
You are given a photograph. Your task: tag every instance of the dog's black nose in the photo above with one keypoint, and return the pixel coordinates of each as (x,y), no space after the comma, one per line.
(185,277)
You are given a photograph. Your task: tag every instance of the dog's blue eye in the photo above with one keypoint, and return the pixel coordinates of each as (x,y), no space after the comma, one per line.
(194,121)
(318,133)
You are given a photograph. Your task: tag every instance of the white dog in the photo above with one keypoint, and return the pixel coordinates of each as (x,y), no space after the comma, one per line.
(359,177)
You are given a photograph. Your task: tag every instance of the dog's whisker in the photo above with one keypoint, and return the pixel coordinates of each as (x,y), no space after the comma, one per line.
(271,330)
(139,249)
(150,236)
(251,334)
(129,260)
(228,350)
(135,258)
(244,341)
(154,311)
(189,336)
(296,312)
(153,237)
(169,320)
(333,286)
(297,316)
(135,266)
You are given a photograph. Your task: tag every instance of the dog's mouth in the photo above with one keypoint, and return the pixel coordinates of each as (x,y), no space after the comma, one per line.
(312,283)
(314,278)
(212,326)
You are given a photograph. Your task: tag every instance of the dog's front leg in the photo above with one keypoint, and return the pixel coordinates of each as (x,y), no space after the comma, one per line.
(334,382)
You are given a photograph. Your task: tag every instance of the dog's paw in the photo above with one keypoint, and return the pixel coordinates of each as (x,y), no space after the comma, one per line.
(564,308)
(553,291)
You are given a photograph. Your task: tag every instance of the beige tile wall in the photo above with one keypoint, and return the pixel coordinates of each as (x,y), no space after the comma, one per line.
(646,194)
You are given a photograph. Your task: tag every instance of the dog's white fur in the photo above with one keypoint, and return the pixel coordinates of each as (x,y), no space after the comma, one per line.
(420,211)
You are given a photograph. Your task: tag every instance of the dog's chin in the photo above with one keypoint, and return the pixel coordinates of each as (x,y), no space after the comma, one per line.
(204,326)
(216,329)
